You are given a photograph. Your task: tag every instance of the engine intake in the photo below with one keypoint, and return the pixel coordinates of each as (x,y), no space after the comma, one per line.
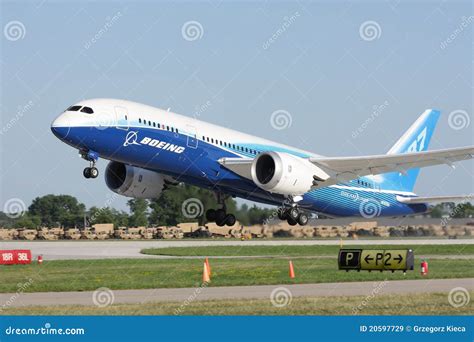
(133,181)
(285,174)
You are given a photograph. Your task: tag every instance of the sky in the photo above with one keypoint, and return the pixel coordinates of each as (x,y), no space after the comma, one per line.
(345,78)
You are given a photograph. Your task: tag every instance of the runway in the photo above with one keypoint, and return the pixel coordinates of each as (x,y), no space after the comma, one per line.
(83,249)
(236,292)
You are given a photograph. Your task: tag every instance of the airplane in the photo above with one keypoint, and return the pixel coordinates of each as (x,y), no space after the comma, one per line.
(150,149)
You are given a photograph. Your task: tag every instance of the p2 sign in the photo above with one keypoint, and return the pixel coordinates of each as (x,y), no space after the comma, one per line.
(376,259)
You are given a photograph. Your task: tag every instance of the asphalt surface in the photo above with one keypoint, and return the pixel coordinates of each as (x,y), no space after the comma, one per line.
(234,292)
(83,249)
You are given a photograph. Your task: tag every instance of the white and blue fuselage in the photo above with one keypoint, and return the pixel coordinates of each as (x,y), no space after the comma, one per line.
(189,150)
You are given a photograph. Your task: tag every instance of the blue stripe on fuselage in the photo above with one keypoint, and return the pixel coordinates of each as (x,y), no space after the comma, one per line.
(198,165)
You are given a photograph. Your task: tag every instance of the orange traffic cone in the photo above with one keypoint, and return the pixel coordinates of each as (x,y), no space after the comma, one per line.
(208,267)
(292,270)
(205,274)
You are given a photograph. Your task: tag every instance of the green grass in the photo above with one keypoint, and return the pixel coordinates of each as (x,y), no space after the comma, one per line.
(83,275)
(303,250)
(409,304)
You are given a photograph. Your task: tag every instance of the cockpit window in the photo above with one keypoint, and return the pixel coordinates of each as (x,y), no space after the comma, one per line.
(74,108)
(87,110)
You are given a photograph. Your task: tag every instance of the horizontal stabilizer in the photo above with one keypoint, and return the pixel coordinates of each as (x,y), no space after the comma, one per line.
(436,199)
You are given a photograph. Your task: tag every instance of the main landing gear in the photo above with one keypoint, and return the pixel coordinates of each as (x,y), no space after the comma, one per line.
(92,157)
(293,215)
(220,216)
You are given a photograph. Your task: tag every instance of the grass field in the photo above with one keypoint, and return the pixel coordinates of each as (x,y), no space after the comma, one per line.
(82,275)
(420,304)
(419,250)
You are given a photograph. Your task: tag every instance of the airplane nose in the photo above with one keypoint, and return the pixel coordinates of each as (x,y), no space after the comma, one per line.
(60,127)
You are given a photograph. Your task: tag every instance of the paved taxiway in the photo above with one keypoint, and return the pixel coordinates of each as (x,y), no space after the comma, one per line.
(83,249)
(239,292)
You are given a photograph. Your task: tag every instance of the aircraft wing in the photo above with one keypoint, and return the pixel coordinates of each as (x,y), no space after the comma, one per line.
(347,168)
(435,199)
(241,166)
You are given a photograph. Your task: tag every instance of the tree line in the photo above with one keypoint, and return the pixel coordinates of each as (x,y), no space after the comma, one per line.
(166,210)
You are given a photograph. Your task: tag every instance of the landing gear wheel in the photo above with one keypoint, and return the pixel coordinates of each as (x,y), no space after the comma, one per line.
(291,222)
(220,223)
(211,215)
(87,172)
(303,219)
(230,220)
(94,172)
(220,216)
(293,213)
(282,214)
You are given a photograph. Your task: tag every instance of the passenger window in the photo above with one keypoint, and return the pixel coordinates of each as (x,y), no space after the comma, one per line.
(154,124)
(87,110)
(139,120)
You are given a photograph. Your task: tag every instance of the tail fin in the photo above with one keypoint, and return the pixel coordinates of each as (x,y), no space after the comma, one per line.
(415,139)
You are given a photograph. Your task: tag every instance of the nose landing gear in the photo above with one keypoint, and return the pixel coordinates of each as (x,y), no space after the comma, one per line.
(91,172)
(92,157)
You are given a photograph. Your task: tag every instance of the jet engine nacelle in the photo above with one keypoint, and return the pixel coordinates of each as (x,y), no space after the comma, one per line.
(133,181)
(285,174)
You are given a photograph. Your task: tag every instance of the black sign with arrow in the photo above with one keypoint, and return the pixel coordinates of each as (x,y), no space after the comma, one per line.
(376,259)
